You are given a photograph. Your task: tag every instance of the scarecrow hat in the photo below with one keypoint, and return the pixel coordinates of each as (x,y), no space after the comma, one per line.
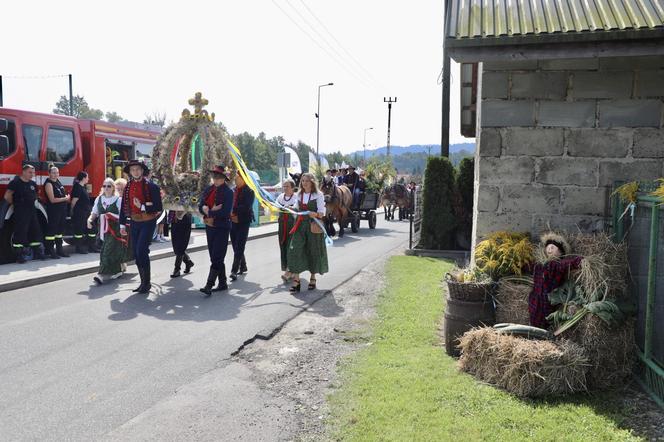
(220,170)
(127,167)
(558,240)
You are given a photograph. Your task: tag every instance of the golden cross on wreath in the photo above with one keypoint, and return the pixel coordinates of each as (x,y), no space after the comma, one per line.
(198,102)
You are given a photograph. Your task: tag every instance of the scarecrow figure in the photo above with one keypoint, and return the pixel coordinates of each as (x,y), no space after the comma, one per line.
(549,275)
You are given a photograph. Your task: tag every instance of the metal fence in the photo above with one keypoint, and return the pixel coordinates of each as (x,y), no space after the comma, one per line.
(415,218)
(640,224)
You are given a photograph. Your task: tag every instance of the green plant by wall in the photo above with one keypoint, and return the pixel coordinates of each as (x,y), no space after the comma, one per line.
(465,185)
(438,220)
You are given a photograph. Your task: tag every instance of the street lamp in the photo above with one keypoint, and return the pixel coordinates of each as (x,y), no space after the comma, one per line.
(318,120)
(364,145)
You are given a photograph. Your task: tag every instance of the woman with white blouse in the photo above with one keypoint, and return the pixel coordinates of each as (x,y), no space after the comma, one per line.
(107,208)
(286,222)
(307,251)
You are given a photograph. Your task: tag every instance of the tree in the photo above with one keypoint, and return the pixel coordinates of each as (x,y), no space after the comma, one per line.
(438,220)
(113,117)
(80,107)
(155,118)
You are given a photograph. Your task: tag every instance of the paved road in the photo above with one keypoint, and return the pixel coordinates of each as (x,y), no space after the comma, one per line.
(79,361)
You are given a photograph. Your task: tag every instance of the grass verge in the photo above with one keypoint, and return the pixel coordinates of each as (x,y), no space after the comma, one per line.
(404,386)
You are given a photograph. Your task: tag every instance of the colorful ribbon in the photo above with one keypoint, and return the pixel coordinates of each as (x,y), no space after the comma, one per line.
(264,198)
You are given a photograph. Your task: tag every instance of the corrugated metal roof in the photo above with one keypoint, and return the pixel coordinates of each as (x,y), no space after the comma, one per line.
(471,19)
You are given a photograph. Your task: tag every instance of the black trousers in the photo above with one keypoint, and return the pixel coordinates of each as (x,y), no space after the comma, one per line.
(239,235)
(27,231)
(79,220)
(57,214)
(217,240)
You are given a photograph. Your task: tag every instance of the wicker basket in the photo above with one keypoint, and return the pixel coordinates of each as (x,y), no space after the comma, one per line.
(469,291)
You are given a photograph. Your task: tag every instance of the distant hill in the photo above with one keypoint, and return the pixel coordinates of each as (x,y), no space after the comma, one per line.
(417,148)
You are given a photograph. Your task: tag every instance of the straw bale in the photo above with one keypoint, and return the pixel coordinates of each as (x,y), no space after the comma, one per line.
(512,302)
(525,368)
(611,351)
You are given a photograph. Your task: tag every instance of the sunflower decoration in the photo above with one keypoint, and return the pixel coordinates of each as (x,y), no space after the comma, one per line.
(627,192)
(659,192)
(185,153)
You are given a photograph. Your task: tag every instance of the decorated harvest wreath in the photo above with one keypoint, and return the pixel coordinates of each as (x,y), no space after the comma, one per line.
(185,153)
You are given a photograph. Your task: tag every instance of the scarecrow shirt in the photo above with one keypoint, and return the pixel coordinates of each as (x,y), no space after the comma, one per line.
(546,278)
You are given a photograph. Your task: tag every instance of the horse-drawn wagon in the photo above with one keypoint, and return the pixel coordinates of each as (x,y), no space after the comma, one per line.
(365,210)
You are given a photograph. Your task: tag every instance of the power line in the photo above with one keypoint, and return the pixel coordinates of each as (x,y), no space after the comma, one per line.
(322,37)
(331,55)
(34,77)
(369,74)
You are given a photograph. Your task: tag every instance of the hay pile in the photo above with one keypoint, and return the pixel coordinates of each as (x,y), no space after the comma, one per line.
(512,301)
(611,351)
(526,368)
(605,267)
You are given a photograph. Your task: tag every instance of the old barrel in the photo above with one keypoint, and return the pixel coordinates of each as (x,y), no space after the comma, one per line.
(461,316)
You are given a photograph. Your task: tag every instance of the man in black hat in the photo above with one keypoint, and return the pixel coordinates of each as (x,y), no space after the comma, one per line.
(352,181)
(216,204)
(141,204)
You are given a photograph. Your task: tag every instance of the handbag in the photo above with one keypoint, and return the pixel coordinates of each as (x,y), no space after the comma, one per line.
(315,228)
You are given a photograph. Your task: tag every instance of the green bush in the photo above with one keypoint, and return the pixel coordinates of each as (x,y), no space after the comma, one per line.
(438,219)
(465,185)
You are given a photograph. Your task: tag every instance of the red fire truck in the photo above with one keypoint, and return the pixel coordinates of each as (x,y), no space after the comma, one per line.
(71,144)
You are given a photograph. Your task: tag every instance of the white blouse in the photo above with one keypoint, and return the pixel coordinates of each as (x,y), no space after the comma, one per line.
(284,201)
(306,197)
(105,202)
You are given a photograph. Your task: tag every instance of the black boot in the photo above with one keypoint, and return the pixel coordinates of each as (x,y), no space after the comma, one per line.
(221,276)
(20,255)
(176,269)
(140,274)
(234,269)
(243,265)
(212,277)
(58,248)
(80,246)
(147,285)
(49,246)
(92,244)
(37,253)
(188,263)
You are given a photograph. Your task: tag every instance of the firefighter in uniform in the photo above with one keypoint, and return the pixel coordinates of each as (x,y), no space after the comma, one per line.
(215,205)
(22,193)
(56,209)
(81,206)
(141,205)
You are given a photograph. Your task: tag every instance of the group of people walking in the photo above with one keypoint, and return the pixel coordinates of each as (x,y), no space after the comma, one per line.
(126,214)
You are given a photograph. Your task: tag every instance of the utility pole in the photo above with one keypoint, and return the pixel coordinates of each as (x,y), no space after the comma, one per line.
(318,121)
(71,97)
(445,122)
(1,91)
(389,102)
(364,145)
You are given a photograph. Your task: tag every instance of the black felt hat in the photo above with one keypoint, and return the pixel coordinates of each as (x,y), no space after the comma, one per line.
(146,170)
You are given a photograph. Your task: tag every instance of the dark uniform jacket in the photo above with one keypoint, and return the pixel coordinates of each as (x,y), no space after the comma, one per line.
(148,188)
(243,205)
(25,194)
(224,196)
(351,180)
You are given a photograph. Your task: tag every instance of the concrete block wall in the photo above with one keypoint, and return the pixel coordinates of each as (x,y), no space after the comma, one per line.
(554,135)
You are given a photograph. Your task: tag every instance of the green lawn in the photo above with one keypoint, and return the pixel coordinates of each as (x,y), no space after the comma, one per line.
(404,387)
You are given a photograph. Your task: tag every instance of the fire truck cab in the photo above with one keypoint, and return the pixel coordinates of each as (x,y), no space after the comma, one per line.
(73,145)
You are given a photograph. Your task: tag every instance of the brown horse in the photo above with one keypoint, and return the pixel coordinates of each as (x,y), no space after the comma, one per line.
(338,201)
(395,196)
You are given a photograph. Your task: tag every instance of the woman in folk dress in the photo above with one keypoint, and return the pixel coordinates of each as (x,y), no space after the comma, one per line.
(107,208)
(286,223)
(306,251)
